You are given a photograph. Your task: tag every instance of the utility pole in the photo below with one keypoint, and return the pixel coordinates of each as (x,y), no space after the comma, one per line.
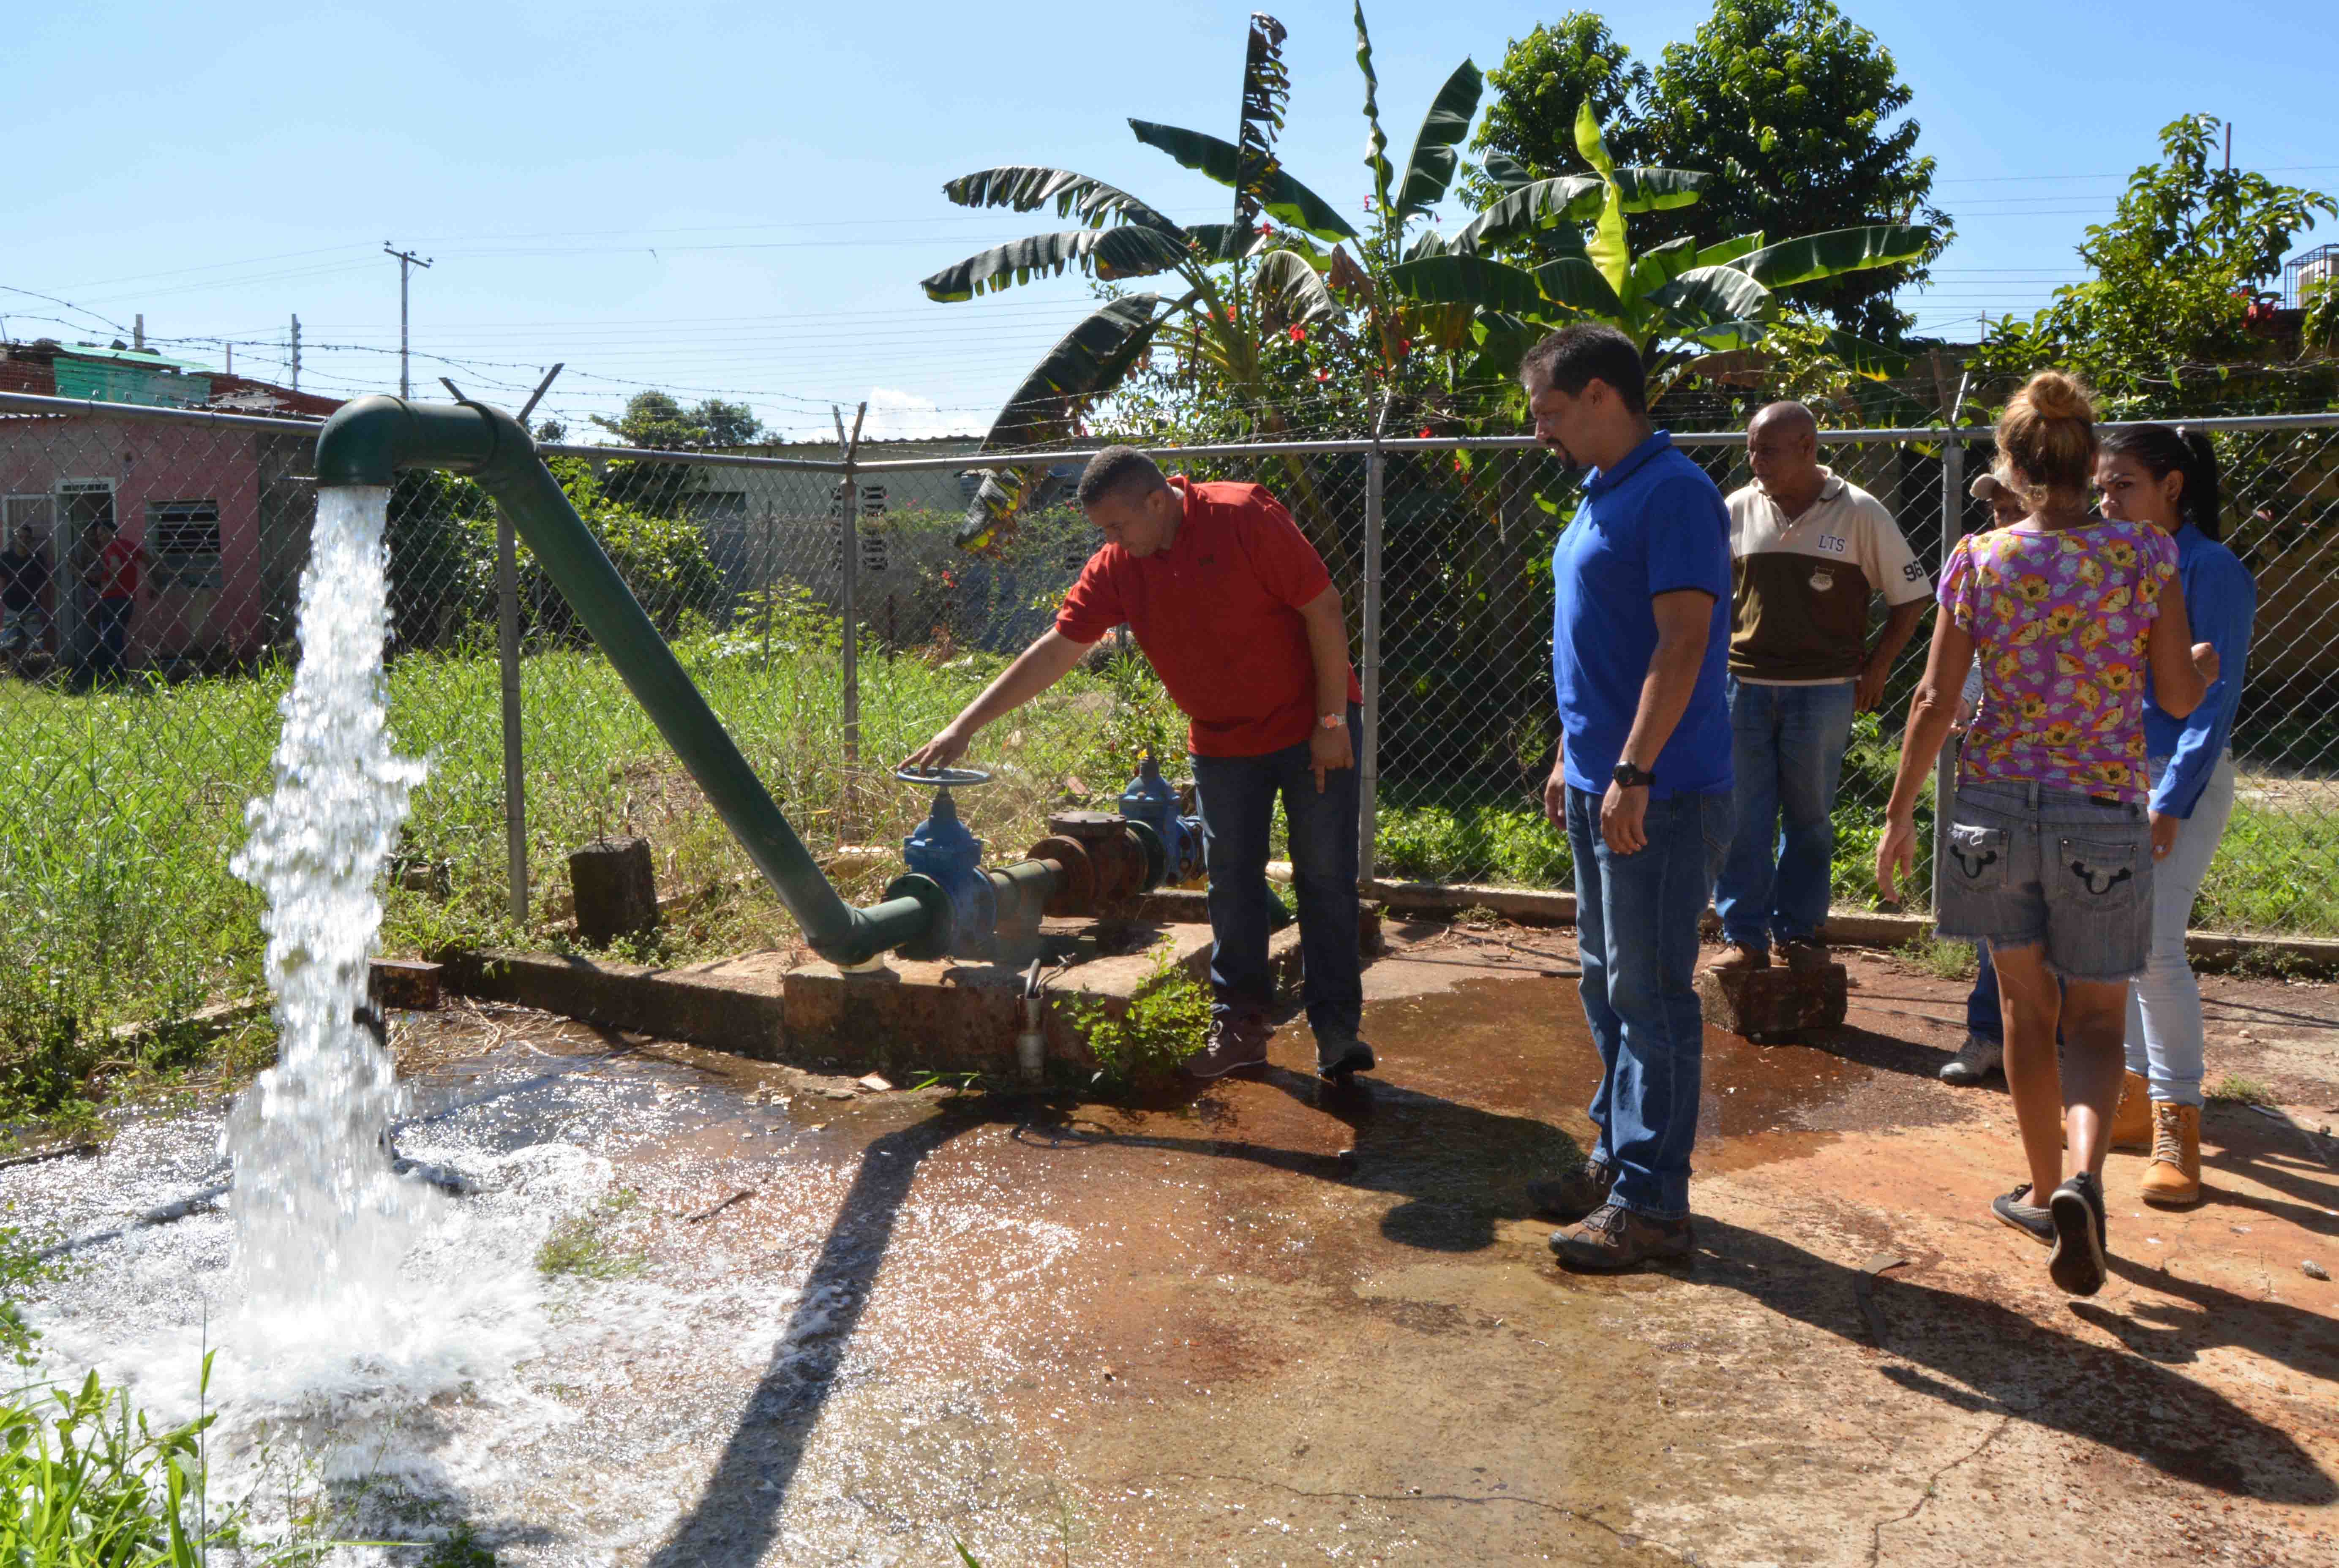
(2229,146)
(406,262)
(296,353)
(138,332)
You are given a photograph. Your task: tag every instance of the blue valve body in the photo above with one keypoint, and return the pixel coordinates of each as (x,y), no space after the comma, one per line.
(1149,799)
(942,848)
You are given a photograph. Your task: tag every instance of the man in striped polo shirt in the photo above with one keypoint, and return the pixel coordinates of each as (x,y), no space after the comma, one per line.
(1809,550)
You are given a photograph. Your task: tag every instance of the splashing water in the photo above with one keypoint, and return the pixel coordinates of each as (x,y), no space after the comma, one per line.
(322,1223)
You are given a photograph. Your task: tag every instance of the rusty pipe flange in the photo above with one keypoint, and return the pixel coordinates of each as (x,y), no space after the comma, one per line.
(1076,881)
(1116,856)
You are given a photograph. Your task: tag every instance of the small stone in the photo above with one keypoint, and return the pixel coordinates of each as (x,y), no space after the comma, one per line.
(832,1093)
(875,1082)
(1769,1004)
(2314,1270)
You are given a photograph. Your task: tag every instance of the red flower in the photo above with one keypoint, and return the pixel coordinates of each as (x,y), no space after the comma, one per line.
(1404,345)
(1323,375)
(1425,432)
(1299,334)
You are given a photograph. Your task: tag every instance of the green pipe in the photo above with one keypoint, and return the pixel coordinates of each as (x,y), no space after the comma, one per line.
(368,441)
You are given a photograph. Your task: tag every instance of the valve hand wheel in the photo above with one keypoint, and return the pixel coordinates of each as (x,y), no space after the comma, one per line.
(946,778)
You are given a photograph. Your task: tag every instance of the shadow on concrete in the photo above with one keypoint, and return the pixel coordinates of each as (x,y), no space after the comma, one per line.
(1978,1355)
(736,1521)
(1459,1171)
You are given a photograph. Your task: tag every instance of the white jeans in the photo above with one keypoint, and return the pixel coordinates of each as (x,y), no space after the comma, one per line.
(2163,1004)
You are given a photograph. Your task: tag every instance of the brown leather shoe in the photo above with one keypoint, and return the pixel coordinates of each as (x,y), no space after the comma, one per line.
(1806,957)
(2173,1180)
(1738,958)
(1614,1239)
(2132,1120)
(1568,1199)
(1235,1044)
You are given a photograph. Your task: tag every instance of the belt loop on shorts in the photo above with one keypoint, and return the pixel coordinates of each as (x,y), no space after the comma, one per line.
(2030,794)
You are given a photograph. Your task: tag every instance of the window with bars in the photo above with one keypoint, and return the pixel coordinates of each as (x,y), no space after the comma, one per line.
(184,537)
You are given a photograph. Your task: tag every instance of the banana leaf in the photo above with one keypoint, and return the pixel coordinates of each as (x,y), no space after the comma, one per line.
(1287,201)
(1431,167)
(1660,190)
(1265,90)
(1571,199)
(1505,173)
(1130,251)
(1654,267)
(1479,281)
(1025,186)
(1291,282)
(1704,294)
(1575,282)
(1089,361)
(1375,139)
(1834,253)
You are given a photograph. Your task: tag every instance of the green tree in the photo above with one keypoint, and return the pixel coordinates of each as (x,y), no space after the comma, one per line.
(1529,126)
(1795,107)
(2174,271)
(656,421)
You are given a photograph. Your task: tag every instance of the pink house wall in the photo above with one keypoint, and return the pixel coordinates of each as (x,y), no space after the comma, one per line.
(151,462)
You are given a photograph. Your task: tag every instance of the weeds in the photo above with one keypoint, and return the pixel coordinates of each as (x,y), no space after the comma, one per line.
(1168,1020)
(1942,959)
(2239,1090)
(585,1245)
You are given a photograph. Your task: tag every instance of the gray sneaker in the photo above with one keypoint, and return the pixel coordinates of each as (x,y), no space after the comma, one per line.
(1235,1044)
(1975,1061)
(2030,1219)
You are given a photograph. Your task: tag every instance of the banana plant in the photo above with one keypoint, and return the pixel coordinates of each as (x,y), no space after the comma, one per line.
(1564,256)
(1274,266)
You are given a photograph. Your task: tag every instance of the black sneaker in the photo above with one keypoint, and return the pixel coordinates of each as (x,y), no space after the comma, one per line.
(2077,1264)
(2030,1219)
(1568,1199)
(1337,1060)
(1235,1044)
(1614,1239)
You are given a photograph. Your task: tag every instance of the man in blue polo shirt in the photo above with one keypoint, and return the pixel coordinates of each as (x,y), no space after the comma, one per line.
(1640,639)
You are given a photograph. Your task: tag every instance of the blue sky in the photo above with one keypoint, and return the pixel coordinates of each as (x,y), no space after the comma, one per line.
(740,199)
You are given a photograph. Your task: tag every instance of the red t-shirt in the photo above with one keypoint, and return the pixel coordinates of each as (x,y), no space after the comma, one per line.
(1217,613)
(117,570)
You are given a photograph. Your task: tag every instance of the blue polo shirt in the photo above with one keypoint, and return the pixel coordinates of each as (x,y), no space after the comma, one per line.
(2221,600)
(1653,524)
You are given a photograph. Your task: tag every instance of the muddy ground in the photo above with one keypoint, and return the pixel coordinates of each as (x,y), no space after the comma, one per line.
(1265,1324)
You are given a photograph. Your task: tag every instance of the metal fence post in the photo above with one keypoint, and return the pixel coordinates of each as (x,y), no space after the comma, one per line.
(1368,759)
(848,540)
(1953,529)
(515,772)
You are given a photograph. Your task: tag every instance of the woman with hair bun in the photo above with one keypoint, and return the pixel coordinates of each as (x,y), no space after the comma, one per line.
(2168,478)
(2049,849)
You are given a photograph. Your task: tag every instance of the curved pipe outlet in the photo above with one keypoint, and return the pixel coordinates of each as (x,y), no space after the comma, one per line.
(371,439)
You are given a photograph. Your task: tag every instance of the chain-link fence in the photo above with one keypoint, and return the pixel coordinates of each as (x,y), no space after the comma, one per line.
(142,712)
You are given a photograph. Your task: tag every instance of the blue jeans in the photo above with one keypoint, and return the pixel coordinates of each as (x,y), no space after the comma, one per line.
(1636,920)
(1983,1016)
(1236,797)
(1786,754)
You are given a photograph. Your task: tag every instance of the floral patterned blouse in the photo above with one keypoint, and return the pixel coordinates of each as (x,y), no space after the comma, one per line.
(2059,620)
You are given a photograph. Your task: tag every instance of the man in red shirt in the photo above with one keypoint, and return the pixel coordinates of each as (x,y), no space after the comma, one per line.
(1234,608)
(112,578)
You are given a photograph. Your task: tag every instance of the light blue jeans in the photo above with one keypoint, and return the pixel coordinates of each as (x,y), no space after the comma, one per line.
(1787,746)
(2163,1006)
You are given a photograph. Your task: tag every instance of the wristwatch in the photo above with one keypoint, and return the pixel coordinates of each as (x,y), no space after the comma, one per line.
(1627,776)
(1331,720)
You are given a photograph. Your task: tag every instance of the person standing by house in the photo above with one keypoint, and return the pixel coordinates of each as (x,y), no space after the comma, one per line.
(1640,634)
(2049,854)
(2155,475)
(112,578)
(24,595)
(1233,607)
(1808,549)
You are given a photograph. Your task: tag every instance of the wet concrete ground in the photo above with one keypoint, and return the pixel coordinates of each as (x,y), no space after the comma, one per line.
(1261,1325)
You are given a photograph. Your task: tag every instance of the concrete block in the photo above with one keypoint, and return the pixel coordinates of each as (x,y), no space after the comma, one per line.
(1772,1005)
(403,982)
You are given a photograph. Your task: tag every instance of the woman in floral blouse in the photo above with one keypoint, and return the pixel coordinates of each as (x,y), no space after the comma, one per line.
(2049,849)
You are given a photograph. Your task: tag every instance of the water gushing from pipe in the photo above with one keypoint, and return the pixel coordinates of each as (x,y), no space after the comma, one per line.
(322,1223)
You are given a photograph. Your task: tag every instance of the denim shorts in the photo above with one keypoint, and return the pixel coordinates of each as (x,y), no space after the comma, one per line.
(2028,866)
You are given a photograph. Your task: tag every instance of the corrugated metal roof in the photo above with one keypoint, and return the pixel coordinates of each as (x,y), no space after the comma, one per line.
(133,357)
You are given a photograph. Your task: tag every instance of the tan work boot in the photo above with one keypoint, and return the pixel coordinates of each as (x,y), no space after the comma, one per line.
(2173,1180)
(2132,1121)
(1738,958)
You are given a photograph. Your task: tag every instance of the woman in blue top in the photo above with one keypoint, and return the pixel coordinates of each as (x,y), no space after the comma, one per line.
(2153,474)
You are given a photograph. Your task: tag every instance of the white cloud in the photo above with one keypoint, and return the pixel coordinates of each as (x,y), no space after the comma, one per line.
(895,416)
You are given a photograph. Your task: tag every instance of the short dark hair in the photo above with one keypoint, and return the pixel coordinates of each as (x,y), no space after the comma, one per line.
(1572,358)
(1116,471)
